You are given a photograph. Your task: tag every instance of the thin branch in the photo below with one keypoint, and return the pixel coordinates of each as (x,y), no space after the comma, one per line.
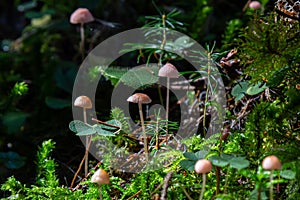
(165,186)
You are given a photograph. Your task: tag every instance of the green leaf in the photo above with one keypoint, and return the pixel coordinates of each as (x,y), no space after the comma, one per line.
(14,120)
(239,90)
(57,103)
(256,89)
(87,132)
(238,163)
(105,130)
(187,164)
(78,126)
(113,74)
(218,161)
(140,77)
(190,156)
(201,154)
(288,174)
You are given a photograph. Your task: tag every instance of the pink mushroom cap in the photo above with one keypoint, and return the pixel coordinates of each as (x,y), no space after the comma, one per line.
(81,15)
(255,5)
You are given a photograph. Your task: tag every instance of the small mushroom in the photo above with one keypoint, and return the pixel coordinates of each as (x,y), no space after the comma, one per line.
(203,166)
(169,71)
(255,5)
(271,163)
(100,177)
(81,16)
(85,103)
(140,99)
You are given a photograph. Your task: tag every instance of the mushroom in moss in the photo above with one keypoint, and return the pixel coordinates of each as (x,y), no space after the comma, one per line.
(100,177)
(85,103)
(140,99)
(168,71)
(271,163)
(203,166)
(81,16)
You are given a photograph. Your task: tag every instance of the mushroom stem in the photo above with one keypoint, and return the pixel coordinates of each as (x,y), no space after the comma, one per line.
(203,186)
(271,185)
(144,130)
(167,105)
(82,40)
(100,191)
(87,139)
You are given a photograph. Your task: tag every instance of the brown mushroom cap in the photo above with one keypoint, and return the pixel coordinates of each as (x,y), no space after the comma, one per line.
(168,70)
(81,15)
(139,98)
(203,166)
(100,177)
(83,102)
(271,163)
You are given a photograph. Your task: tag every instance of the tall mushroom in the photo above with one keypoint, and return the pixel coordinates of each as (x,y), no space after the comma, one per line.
(140,99)
(271,163)
(85,103)
(81,16)
(169,71)
(100,177)
(203,166)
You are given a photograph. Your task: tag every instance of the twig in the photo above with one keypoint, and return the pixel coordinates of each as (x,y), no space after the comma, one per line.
(81,163)
(165,186)
(104,123)
(136,194)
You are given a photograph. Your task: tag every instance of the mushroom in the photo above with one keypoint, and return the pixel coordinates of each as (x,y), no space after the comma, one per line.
(81,16)
(100,177)
(85,103)
(169,71)
(140,99)
(271,163)
(203,166)
(255,5)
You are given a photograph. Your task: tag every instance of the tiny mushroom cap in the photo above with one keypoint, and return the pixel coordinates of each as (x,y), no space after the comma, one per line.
(139,98)
(168,70)
(271,163)
(255,5)
(81,15)
(100,177)
(203,166)
(83,102)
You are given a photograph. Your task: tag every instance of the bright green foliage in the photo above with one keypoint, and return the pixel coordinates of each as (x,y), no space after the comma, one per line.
(46,166)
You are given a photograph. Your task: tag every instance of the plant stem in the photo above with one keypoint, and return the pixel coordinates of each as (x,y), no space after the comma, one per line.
(207,91)
(144,131)
(271,185)
(87,138)
(218,180)
(163,43)
(157,133)
(203,186)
